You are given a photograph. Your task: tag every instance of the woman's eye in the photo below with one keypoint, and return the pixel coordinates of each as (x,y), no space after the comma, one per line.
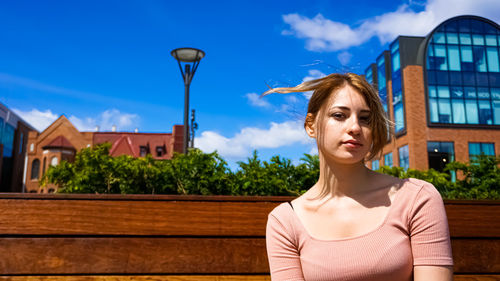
(338,115)
(365,119)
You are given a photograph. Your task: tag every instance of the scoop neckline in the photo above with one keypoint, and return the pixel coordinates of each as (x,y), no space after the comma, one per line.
(396,196)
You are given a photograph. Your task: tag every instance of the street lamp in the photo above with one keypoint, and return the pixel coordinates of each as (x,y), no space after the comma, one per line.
(191,58)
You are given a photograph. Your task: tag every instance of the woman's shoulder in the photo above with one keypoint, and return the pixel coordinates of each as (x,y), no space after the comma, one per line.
(282,211)
(420,187)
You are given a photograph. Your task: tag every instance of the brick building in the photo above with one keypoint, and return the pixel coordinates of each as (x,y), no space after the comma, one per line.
(443,93)
(61,140)
(13,139)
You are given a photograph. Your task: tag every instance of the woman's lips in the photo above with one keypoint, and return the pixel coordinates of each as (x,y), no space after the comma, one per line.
(352,144)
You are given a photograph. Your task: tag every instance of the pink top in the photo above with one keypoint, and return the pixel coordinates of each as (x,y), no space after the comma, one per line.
(414,232)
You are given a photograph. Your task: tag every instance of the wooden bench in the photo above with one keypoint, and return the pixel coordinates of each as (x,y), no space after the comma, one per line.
(161,237)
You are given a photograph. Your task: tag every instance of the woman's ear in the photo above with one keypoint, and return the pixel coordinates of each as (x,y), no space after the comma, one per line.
(310,125)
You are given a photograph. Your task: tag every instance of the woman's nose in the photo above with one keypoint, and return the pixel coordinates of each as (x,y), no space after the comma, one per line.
(354,126)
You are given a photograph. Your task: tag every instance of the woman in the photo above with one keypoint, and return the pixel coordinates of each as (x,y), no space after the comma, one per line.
(354,223)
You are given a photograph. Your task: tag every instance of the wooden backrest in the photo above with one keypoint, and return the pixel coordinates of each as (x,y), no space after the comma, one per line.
(183,237)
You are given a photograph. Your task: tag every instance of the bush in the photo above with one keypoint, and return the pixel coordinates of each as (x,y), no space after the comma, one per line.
(94,171)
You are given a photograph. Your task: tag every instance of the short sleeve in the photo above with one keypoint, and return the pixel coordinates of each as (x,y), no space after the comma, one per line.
(429,233)
(284,259)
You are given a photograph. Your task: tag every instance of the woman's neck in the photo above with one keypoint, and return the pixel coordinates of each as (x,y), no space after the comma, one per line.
(338,180)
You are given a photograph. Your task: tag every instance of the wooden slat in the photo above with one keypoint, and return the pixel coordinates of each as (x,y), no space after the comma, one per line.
(93,217)
(181,255)
(132,256)
(473,220)
(193,218)
(191,278)
(476,255)
(476,278)
(140,278)
(144,197)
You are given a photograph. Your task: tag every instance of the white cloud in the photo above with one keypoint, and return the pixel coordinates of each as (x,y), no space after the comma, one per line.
(255,100)
(313,74)
(105,120)
(323,34)
(250,138)
(36,118)
(344,57)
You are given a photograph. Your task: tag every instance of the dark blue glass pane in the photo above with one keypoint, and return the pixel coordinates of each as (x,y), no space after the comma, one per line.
(482,79)
(442,77)
(464,25)
(477,26)
(470,92)
(485,115)
(396,81)
(469,78)
(431,77)
(483,93)
(479,58)
(489,29)
(494,79)
(455,78)
(457,92)
(452,26)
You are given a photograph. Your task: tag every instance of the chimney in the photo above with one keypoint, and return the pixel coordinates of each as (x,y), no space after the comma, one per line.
(96,128)
(113,128)
(136,130)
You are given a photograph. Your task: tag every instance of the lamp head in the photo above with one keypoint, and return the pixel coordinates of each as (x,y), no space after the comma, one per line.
(187,54)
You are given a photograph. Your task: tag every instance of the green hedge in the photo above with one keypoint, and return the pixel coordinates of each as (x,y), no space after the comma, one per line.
(94,171)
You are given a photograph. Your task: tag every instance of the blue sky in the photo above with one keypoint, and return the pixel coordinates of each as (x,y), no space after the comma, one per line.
(108,62)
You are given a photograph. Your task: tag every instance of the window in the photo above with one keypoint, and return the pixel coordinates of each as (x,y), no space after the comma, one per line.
(8,159)
(397,88)
(382,88)
(160,151)
(54,161)
(51,190)
(375,165)
(44,165)
(21,143)
(143,151)
(388,159)
(440,154)
(404,157)
(35,169)
(478,148)
(467,65)
(8,140)
(369,75)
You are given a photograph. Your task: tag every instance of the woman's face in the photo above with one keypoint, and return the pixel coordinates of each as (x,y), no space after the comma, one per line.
(342,127)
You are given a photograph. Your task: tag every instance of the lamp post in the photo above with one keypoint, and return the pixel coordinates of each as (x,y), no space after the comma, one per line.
(191,58)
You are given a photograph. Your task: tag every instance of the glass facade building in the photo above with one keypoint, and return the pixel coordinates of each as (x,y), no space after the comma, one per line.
(442,92)
(463,73)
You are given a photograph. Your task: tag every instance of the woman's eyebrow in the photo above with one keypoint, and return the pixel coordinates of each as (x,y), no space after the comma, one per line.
(348,109)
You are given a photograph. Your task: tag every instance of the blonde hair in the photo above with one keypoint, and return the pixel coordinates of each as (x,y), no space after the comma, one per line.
(324,87)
